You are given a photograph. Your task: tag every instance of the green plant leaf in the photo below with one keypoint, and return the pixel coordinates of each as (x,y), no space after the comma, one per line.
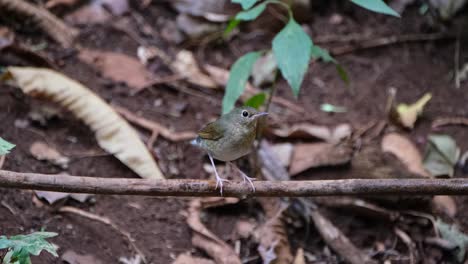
(233,23)
(319,53)
(342,73)
(292,50)
(5,147)
(246,4)
(256,101)
(377,6)
(452,234)
(21,246)
(441,155)
(253,13)
(240,72)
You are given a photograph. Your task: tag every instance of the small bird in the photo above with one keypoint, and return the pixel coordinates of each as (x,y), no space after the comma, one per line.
(229,138)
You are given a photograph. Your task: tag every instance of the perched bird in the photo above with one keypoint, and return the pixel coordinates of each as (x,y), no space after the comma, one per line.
(229,138)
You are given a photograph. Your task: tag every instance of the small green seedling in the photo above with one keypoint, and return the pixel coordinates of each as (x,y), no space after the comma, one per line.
(20,247)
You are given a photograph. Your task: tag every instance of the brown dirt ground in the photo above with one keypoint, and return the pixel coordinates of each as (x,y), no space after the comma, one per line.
(158,224)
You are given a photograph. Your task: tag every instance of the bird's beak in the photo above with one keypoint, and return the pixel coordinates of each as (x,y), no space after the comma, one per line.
(257,115)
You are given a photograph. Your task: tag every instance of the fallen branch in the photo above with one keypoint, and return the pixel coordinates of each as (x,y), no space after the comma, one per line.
(183,187)
(51,24)
(372,42)
(154,127)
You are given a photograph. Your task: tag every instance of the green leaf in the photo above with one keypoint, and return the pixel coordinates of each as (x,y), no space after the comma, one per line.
(256,101)
(441,155)
(5,146)
(246,4)
(233,23)
(292,50)
(21,246)
(240,72)
(319,53)
(452,234)
(252,13)
(342,73)
(377,6)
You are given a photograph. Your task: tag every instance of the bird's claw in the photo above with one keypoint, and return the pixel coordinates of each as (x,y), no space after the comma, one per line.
(219,182)
(249,179)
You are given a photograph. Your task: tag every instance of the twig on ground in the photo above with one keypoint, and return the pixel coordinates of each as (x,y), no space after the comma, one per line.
(106,221)
(338,241)
(184,187)
(457,62)
(7,206)
(449,121)
(51,24)
(372,42)
(409,243)
(154,127)
(2,161)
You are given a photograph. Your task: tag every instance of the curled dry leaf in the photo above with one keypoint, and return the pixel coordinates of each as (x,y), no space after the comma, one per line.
(313,155)
(42,151)
(112,132)
(117,67)
(204,239)
(97,12)
(405,151)
(310,131)
(264,69)
(299,258)
(186,65)
(445,204)
(283,151)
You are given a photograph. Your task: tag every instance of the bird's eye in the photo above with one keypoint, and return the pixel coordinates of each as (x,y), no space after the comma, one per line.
(245,113)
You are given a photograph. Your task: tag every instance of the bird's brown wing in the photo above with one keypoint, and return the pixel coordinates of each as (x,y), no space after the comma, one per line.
(211,131)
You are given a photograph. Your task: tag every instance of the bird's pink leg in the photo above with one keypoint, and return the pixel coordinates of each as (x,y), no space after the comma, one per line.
(219,180)
(244,176)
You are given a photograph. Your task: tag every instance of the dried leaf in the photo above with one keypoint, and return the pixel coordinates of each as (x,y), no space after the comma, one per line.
(312,155)
(272,235)
(112,132)
(299,258)
(195,27)
(186,258)
(445,204)
(204,239)
(98,12)
(405,151)
(283,152)
(186,65)
(310,131)
(452,234)
(245,228)
(441,155)
(117,67)
(407,114)
(71,257)
(264,69)
(6,37)
(41,151)
(212,10)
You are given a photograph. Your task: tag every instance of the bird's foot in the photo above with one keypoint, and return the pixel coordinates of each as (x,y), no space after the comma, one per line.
(249,179)
(219,182)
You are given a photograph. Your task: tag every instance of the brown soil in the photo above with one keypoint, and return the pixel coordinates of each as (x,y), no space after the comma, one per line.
(158,224)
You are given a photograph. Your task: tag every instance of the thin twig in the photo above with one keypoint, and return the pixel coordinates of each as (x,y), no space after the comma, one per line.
(154,127)
(184,187)
(449,121)
(457,62)
(106,221)
(372,42)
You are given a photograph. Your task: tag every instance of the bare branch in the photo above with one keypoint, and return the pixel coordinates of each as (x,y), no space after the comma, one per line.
(124,186)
